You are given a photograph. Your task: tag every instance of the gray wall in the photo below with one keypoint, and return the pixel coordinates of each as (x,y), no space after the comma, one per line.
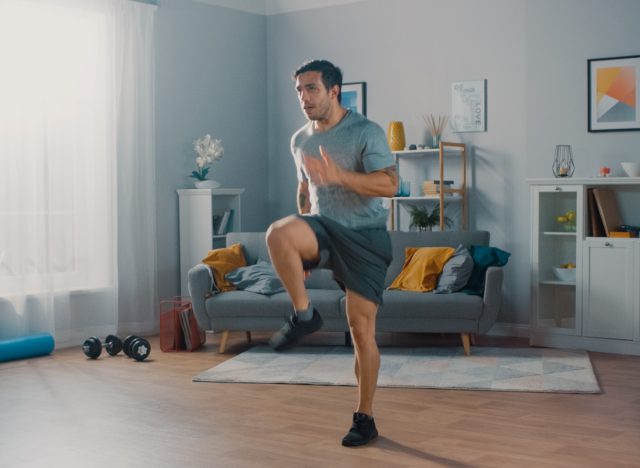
(210,78)
(561,36)
(229,73)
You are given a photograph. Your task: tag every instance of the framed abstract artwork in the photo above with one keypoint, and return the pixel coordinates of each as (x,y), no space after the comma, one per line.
(354,97)
(614,100)
(468,106)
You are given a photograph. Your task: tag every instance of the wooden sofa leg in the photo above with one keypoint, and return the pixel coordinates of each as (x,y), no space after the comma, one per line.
(248,333)
(466,343)
(223,341)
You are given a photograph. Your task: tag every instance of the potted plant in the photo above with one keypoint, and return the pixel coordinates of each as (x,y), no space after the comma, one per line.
(425,220)
(208,150)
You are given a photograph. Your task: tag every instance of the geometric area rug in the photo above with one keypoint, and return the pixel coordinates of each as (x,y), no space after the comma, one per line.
(488,368)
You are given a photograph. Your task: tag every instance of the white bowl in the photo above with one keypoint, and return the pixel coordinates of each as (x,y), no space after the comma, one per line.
(565,274)
(631,168)
(206,184)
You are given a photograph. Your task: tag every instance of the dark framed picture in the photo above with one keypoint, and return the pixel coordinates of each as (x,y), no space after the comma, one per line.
(354,96)
(614,101)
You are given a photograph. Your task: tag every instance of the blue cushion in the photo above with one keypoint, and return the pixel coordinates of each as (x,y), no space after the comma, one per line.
(483,258)
(260,278)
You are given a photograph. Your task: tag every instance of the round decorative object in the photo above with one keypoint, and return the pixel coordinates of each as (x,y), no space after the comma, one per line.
(395,136)
(206,184)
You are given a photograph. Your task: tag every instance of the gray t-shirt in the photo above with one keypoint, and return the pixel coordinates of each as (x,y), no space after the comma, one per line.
(356,144)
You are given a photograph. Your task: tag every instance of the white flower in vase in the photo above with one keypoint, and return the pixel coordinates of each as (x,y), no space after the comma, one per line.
(208,150)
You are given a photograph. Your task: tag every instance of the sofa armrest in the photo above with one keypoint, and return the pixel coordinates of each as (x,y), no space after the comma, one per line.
(201,287)
(492,298)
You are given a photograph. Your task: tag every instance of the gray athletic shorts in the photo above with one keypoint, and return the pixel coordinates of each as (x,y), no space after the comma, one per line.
(358,258)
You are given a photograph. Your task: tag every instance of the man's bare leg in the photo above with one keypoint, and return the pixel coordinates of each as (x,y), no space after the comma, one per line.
(292,241)
(361,313)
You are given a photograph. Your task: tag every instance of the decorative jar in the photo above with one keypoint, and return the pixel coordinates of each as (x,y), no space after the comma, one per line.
(395,136)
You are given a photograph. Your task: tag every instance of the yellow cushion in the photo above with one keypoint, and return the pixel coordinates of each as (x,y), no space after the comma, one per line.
(422,265)
(223,261)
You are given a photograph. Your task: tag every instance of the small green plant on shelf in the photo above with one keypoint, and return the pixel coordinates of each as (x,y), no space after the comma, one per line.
(424,220)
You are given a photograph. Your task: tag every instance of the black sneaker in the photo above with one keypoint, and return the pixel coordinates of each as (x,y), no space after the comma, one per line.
(292,331)
(363,430)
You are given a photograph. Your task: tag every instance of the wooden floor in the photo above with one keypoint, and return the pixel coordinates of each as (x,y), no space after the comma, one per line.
(65,410)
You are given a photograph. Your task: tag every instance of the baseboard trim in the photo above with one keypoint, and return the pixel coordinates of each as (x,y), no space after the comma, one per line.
(517,330)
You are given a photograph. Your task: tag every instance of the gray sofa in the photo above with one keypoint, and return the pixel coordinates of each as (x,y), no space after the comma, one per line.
(402,311)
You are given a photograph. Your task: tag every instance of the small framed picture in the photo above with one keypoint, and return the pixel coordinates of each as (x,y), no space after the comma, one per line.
(354,97)
(468,106)
(614,101)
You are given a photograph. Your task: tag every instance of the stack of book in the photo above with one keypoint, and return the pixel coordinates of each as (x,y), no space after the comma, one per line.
(604,216)
(222,223)
(432,187)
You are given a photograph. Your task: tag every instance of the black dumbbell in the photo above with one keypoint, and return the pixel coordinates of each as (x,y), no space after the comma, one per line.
(136,347)
(92,346)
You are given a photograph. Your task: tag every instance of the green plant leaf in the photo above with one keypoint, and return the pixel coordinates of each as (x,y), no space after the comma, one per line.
(423,219)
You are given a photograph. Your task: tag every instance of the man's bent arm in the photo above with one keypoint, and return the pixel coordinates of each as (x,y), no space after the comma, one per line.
(324,171)
(382,183)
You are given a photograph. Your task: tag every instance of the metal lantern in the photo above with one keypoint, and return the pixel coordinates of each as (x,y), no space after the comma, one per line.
(563,161)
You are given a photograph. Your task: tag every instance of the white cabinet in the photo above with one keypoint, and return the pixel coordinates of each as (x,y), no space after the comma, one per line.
(609,293)
(417,166)
(555,301)
(600,309)
(199,210)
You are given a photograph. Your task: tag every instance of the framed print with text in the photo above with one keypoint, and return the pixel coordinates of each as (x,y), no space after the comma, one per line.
(468,106)
(614,101)
(354,97)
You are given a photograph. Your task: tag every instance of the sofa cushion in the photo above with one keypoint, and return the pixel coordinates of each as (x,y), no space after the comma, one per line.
(408,304)
(260,278)
(483,258)
(223,261)
(401,239)
(456,272)
(421,268)
(248,304)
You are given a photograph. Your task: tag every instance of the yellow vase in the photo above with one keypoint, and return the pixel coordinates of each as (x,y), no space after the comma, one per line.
(395,136)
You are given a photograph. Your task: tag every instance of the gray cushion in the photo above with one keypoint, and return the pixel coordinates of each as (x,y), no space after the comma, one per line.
(456,272)
(260,278)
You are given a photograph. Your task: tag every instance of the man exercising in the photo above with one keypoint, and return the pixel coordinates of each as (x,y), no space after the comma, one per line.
(344,165)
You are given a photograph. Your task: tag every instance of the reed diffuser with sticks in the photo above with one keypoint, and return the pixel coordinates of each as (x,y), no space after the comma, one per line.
(435,125)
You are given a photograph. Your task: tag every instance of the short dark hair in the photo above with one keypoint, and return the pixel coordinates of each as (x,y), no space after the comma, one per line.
(331,75)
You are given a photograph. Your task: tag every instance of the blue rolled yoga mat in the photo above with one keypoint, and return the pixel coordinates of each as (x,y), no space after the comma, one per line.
(26,347)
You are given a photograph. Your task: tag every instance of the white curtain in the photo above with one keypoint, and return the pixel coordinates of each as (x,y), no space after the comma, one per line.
(77,210)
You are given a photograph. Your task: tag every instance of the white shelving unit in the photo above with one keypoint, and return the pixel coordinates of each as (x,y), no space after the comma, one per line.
(197,208)
(600,310)
(416,166)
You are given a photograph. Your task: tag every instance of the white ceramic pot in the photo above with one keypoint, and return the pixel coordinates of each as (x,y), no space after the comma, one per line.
(206,184)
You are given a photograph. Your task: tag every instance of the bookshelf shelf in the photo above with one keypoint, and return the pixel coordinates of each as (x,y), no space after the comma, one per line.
(198,211)
(418,166)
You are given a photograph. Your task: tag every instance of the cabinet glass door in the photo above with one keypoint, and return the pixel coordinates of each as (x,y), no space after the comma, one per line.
(556,263)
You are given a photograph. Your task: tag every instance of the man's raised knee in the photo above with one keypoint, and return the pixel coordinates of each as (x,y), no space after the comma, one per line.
(276,234)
